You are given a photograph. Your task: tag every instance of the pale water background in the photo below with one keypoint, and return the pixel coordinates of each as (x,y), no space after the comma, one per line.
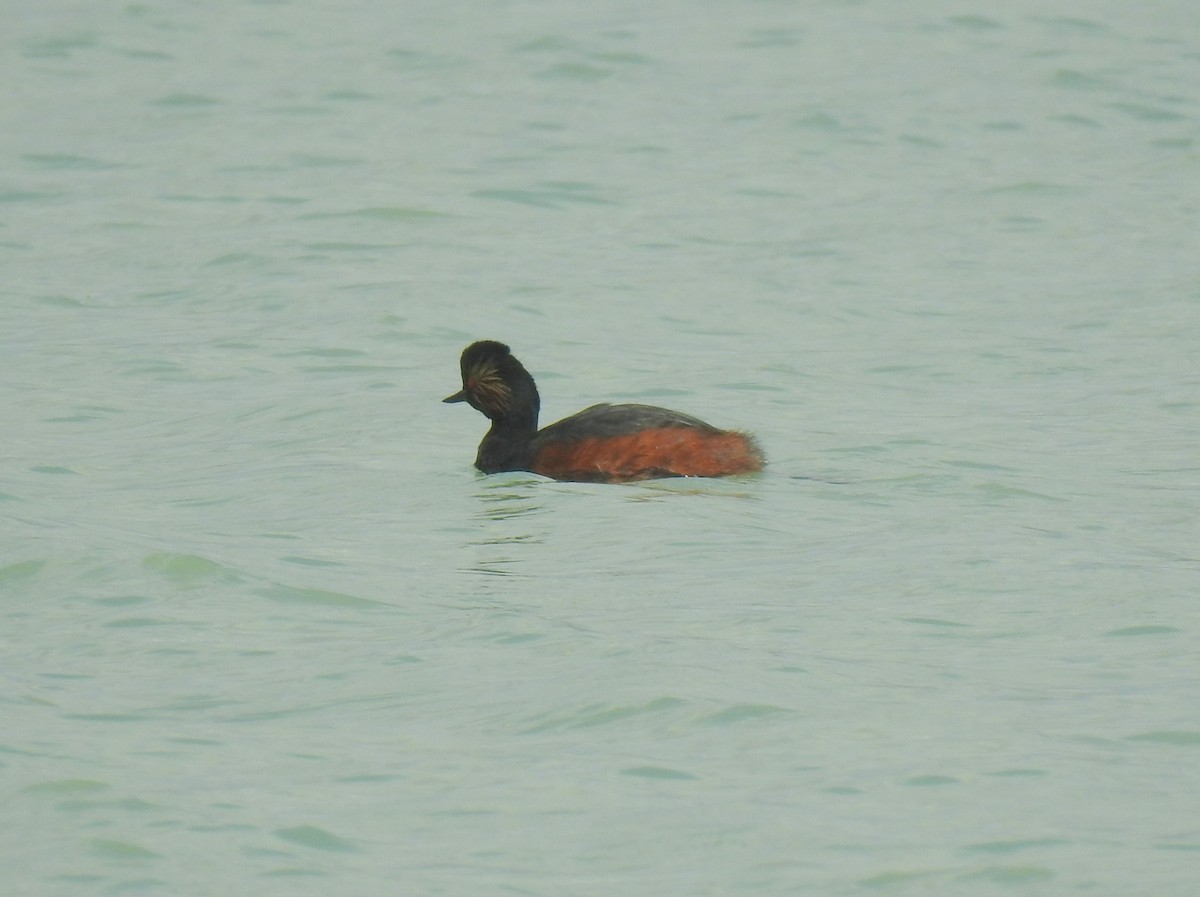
(264,629)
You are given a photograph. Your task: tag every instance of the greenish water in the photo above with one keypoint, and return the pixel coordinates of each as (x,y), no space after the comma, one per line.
(266,631)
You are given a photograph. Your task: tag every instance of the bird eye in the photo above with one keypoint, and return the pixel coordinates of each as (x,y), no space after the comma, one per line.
(470,384)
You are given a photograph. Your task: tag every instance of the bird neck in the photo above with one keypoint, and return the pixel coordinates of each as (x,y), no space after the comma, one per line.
(520,415)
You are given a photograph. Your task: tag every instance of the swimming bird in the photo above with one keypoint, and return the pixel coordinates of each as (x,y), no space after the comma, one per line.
(604,443)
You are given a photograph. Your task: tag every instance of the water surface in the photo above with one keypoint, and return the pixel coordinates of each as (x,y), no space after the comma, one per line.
(266,631)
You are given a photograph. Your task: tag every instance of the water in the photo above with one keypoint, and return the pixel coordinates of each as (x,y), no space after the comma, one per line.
(266,631)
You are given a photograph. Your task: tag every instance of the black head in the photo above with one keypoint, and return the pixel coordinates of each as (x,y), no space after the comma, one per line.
(497,384)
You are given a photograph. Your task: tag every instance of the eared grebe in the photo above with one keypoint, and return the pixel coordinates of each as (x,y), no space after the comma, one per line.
(604,443)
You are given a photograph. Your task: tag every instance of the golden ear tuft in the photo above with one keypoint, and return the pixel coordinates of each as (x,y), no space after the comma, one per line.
(490,388)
